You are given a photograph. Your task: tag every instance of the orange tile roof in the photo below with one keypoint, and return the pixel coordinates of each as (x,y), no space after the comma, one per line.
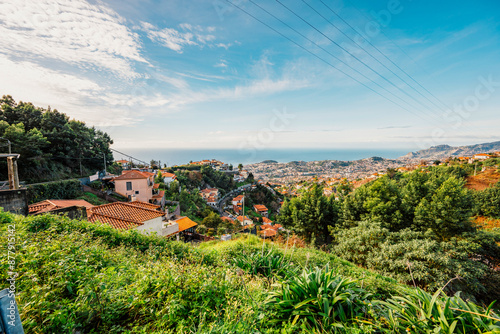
(54,204)
(145,205)
(260,207)
(160,194)
(118,223)
(266,220)
(238,198)
(228,219)
(133,174)
(185,223)
(241,218)
(122,215)
(169,175)
(122,161)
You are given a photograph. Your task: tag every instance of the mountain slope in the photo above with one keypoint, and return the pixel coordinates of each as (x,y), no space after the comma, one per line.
(445,151)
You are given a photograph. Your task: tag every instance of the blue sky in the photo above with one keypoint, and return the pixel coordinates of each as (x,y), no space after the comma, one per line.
(204,74)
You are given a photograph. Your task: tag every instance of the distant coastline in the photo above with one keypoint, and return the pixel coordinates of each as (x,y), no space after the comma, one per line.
(234,156)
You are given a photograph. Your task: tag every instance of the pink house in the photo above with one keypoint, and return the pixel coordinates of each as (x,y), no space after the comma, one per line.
(136,185)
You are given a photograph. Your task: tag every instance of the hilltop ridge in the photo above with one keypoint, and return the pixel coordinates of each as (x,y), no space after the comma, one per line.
(445,151)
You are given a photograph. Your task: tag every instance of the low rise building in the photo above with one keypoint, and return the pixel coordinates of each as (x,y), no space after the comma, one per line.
(261,209)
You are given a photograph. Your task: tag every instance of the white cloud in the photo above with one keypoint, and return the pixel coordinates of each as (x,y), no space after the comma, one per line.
(78,97)
(254,88)
(176,40)
(222,63)
(75,32)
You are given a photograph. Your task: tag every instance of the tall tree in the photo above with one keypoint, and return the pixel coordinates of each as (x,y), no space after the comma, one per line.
(311,215)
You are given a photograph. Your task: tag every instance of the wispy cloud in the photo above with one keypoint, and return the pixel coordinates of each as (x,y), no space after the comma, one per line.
(221,63)
(74,32)
(178,39)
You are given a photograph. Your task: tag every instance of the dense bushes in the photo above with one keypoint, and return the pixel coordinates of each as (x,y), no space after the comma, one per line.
(68,189)
(82,277)
(487,202)
(418,221)
(417,258)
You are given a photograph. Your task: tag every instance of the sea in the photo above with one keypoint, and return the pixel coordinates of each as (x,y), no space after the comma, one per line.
(172,157)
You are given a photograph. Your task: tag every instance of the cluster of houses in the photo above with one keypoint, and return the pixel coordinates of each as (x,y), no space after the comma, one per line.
(266,230)
(479,157)
(145,210)
(147,218)
(215,164)
(210,195)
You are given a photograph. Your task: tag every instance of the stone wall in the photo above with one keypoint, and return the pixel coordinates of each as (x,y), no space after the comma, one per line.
(14,201)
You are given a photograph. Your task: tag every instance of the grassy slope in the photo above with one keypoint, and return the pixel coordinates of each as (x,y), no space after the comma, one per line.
(78,276)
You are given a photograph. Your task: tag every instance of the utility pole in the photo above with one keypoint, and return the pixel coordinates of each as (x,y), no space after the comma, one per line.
(104,157)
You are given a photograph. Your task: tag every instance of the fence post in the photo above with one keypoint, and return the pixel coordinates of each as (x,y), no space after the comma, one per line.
(9,314)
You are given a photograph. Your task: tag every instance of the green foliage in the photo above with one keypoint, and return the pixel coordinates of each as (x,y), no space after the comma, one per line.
(51,145)
(268,264)
(321,299)
(76,276)
(487,202)
(68,189)
(414,257)
(310,215)
(435,200)
(213,220)
(447,212)
(421,312)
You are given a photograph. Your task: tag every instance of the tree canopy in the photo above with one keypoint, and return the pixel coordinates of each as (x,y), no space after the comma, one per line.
(52,145)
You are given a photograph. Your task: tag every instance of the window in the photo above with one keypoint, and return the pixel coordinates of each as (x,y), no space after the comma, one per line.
(129,185)
(137,192)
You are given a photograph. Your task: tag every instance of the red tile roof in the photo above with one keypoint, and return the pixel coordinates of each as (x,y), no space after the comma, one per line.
(145,205)
(134,174)
(169,175)
(122,215)
(266,220)
(238,198)
(54,204)
(228,219)
(260,207)
(118,223)
(160,194)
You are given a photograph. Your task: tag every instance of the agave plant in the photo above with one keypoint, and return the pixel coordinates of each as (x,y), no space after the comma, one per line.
(421,312)
(321,299)
(267,264)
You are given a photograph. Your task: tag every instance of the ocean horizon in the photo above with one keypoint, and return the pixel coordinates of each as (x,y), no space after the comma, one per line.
(234,156)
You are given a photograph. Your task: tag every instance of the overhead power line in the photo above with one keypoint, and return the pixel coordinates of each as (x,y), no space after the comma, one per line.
(129,156)
(384,55)
(353,56)
(328,52)
(320,58)
(368,53)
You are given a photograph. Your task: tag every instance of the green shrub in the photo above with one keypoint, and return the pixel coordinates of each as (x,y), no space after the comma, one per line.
(321,299)
(268,264)
(415,258)
(68,189)
(424,313)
